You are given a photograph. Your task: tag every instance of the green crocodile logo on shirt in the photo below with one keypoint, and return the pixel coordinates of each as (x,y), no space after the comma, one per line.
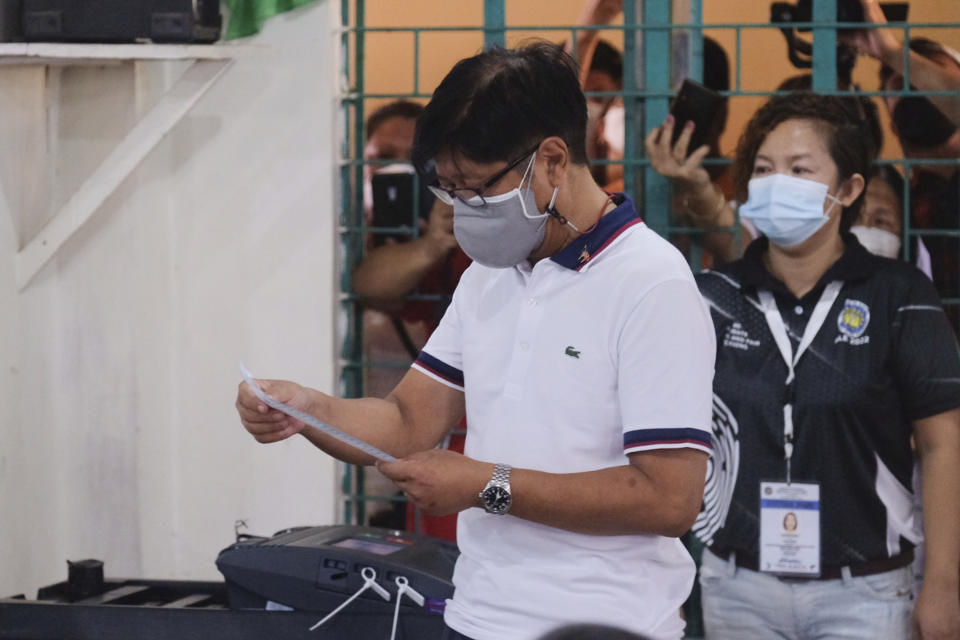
(573,353)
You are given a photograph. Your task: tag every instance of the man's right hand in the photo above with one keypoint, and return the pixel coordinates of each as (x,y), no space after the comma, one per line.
(267,424)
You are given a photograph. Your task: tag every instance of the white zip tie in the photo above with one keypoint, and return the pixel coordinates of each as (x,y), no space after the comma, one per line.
(306,418)
(403,589)
(369,582)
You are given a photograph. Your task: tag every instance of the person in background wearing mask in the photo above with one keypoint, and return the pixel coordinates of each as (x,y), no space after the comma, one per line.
(828,360)
(879,227)
(605,74)
(927,127)
(610,146)
(392,269)
(581,352)
(601,71)
(701,193)
(395,327)
(607,128)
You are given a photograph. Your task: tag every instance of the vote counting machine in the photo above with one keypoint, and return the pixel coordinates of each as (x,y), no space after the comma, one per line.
(333,582)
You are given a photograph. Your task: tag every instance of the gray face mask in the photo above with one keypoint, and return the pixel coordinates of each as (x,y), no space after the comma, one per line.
(505,230)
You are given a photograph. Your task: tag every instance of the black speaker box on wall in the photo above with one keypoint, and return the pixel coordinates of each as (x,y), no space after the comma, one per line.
(11,12)
(121,20)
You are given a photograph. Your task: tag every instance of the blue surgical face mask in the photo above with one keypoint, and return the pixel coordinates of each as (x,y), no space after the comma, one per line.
(505,230)
(786,209)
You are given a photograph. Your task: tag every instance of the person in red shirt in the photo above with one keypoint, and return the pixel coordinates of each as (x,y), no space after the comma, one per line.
(394,268)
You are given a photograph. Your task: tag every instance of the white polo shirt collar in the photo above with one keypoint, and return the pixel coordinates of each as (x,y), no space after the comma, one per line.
(584,249)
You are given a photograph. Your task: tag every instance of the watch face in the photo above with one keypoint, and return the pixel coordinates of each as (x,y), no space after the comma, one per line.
(497,499)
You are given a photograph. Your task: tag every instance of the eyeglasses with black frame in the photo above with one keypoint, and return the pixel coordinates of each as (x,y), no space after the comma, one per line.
(466,194)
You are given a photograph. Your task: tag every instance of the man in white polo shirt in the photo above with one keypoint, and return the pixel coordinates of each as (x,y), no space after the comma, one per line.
(581,352)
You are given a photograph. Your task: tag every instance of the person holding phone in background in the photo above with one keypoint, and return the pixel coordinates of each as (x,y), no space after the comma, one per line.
(690,135)
(926,127)
(674,153)
(396,265)
(601,71)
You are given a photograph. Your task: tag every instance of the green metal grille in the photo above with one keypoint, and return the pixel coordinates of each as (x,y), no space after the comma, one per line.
(649,35)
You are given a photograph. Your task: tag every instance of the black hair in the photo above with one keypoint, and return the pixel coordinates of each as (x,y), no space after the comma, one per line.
(607,59)
(497,104)
(844,132)
(799,82)
(866,107)
(716,66)
(397,109)
(892,177)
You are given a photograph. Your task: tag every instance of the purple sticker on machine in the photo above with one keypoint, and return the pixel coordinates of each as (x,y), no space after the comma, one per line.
(434,605)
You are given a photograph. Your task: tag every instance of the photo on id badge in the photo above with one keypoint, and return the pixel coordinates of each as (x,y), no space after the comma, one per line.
(790,528)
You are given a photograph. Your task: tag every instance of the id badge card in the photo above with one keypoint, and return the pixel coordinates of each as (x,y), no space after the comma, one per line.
(790,528)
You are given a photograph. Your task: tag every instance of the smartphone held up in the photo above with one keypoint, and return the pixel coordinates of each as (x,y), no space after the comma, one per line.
(401,200)
(698,104)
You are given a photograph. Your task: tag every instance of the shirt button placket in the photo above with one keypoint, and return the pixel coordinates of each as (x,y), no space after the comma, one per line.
(527,323)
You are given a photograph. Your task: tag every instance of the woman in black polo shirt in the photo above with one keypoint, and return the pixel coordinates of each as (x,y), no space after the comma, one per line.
(828,360)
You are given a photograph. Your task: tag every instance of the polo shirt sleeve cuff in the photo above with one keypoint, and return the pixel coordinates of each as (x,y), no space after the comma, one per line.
(650,439)
(439,370)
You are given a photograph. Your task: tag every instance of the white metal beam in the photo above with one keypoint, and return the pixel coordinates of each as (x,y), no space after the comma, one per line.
(55,53)
(119,164)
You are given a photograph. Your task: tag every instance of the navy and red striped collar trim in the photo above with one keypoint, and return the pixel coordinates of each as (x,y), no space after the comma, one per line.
(585,248)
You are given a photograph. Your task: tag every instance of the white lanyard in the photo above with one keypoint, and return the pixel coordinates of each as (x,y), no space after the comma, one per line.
(779,331)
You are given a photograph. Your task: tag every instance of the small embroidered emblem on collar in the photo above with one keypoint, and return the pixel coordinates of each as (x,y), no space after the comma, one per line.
(573,353)
(584,255)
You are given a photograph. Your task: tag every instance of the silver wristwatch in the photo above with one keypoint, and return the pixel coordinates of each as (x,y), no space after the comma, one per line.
(496,496)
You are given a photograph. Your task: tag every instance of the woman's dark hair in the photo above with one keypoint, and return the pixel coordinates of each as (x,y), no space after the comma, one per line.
(867,108)
(893,178)
(844,130)
(608,60)
(497,104)
(716,65)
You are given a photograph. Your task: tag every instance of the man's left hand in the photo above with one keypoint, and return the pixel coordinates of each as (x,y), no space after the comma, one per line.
(671,160)
(936,615)
(439,481)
